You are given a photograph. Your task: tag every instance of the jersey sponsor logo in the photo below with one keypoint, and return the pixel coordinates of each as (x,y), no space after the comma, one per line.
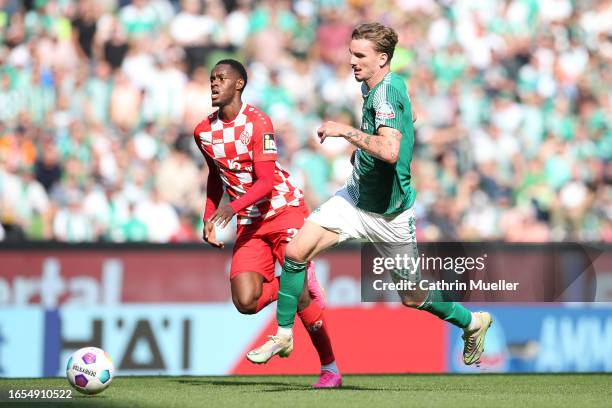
(233,164)
(269,145)
(217,141)
(385,111)
(245,137)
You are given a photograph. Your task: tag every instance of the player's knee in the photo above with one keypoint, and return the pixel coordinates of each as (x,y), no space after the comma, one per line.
(246,304)
(292,252)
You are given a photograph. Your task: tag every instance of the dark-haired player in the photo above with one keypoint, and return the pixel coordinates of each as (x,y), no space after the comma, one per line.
(239,145)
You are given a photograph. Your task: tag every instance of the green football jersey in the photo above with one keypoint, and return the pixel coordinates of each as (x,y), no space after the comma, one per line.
(375,185)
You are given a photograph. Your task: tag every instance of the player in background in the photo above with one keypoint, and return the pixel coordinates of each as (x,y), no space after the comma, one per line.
(239,146)
(376,202)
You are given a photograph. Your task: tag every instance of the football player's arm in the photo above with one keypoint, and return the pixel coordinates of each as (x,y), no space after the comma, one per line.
(214,193)
(214,185)
(384,145)
(264,181)
(214,189)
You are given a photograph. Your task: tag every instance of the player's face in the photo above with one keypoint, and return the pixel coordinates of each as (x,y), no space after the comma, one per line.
(365,60)
(224,84)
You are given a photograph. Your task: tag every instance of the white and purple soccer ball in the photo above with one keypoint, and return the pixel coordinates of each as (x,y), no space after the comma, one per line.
(90,370)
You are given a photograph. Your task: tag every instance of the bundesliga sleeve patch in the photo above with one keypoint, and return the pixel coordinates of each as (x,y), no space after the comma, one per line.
(385,111)
(269,145)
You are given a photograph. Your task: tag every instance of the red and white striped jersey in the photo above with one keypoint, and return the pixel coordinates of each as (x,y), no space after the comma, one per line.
(234,147)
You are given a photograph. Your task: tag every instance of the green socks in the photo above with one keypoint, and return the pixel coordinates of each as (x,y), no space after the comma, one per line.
(452,312)
(291,285)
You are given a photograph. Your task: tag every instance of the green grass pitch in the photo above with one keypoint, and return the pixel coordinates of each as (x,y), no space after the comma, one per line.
(484,390)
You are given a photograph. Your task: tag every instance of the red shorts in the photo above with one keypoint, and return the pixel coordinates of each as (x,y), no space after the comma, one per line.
(260,245)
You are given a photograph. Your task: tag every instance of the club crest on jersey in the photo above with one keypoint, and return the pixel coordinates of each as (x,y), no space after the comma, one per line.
(385,111)
(245,137)
(269,145)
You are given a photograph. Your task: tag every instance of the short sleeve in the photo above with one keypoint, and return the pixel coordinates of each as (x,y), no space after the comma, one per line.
(264,139)
(389,105)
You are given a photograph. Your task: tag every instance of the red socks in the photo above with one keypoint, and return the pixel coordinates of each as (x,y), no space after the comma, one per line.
(314,322)
(312,318)
(269,293)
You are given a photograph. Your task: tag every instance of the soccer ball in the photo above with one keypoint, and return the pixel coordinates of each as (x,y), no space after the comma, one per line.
(90,370)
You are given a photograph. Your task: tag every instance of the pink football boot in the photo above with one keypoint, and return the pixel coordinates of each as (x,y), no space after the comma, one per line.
(328,380)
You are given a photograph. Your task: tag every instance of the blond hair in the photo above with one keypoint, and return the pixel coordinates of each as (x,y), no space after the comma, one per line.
(384,38)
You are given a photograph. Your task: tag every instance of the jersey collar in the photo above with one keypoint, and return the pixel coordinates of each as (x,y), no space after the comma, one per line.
(364,88)
(236,117)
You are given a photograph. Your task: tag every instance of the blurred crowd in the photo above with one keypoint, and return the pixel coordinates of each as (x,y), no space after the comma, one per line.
(98,101)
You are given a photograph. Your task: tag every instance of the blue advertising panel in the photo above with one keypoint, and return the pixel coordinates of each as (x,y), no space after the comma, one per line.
(168,339)
(210,339)
(570,338)
(162,339)
(21,342)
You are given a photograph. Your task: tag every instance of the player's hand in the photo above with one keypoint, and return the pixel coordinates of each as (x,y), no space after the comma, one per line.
(222,216)
(209,235)
(331,129)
